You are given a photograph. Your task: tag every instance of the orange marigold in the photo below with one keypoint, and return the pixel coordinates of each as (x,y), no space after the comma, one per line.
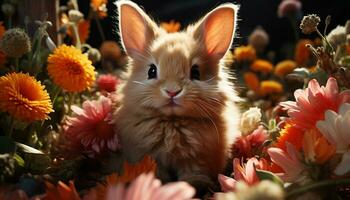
(171,27)
(263,66)
(270,87)
(244,53)
(285,67)
(290,133)
(71,69)
(23,97)
(99,6)
(302,53)
(2,29)
(251,81)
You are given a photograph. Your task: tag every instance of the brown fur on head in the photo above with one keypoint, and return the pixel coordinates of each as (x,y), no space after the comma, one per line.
(185,111)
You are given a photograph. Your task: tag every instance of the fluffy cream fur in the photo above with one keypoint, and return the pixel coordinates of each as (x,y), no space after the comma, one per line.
(191,138)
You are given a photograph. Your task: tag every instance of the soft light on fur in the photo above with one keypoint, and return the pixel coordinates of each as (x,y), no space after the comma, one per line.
(188,135)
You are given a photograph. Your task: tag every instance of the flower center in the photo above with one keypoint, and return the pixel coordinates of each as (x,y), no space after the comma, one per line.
(104,130)
(74,69)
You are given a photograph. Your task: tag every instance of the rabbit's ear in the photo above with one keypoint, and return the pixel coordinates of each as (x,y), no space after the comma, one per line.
(216,30)
(136,29)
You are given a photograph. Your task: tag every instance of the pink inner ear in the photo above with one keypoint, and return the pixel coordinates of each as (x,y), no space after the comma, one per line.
(218,30)
(133,29)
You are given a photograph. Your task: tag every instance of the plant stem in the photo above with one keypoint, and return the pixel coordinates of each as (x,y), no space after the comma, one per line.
(71,101)
(12,125)
(99,27)
(16,64)
(321,184)
(76,35)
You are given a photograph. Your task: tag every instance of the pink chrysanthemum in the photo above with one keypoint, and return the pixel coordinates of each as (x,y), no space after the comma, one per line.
(288,7)
(312,102)
(148,188)
(91,127)
(107,82)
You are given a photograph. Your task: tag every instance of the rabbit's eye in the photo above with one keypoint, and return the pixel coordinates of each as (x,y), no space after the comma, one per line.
(152,71)
(195,73)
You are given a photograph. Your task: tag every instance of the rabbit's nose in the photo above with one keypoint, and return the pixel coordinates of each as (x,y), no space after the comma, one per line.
(173,94)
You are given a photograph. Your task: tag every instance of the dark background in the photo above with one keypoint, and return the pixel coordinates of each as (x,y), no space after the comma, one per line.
(251,14)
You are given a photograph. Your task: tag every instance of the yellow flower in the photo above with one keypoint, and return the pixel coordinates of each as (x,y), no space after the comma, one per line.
(251,80)
(70,69)
(270,87)
(285,67)
(302,53)
(244,53)
(99,6)
(171,27)
(23,97)
(262,66)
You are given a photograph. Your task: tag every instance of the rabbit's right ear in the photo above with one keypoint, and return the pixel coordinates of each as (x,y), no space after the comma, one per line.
(136,29)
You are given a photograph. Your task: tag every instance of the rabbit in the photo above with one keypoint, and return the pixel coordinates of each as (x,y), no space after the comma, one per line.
(177,103)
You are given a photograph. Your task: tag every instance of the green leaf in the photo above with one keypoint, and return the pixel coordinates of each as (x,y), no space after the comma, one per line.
(7,145)
(28,149)
(266,175)
(19,160)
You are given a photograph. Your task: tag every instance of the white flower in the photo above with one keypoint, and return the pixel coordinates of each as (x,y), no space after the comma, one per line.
(336,128)
(337,36)
(250,120)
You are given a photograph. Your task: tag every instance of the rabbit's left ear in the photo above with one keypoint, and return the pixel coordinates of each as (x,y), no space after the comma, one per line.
(216,30)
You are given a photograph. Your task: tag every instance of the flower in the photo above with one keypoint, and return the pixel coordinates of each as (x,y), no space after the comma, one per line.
(263,190)
(288,8)
(146,187)
(251,81)
(335,127)
(316,148)
(2,29)
(171,27)
(290,134)
(244,53)
(23,97)
(107,82)
(284,67)
(61,191)
(302,53)
(250,145)
(70,69)
(250,120)
(245,173)
(289,161)
(312,102)
(2,58)
(309,23)
(94,55)
(337,36)
(100,7)
(270,87)
(83,31)
(130,173)
(75,16)
(263,66)
(110,50)
(8,193)
(15,43)
(91,127)
(258,39)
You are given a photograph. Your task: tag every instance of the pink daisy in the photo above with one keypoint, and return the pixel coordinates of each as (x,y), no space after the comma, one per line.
(248,146)
(147,187)
(245,173)
(91,127)
(312,102)
(107,82)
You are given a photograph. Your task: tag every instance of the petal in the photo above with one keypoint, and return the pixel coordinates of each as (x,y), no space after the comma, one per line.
(344,165)
(250,173)
(331,90)
(174,191)
(227,183)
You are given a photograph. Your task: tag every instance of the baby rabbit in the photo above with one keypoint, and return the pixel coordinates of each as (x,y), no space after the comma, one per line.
(177,104)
